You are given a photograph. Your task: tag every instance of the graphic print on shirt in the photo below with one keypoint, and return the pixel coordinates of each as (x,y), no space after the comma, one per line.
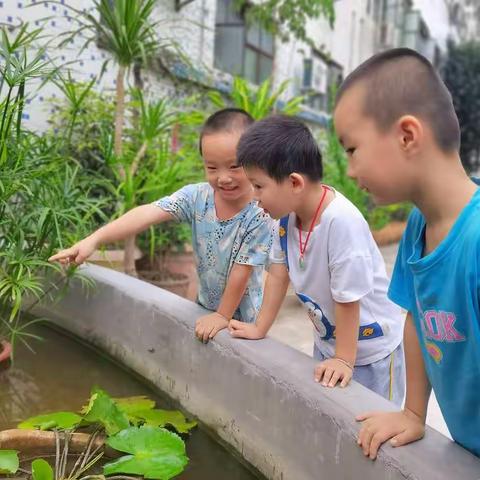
(318,318)
(438,326)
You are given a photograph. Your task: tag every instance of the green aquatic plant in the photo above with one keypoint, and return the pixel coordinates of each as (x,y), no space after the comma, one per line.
(162,418)
(8,461)
(102,409)
(41,470)
(130,425)
(49,421)
(131,405)
(141,411)
(154,453)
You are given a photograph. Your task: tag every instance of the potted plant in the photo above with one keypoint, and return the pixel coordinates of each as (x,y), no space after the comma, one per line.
(5,350)
(127,30)
(156,160)
(89,116)
(170,263)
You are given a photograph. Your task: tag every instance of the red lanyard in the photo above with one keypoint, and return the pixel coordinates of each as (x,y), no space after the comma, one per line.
(303,246)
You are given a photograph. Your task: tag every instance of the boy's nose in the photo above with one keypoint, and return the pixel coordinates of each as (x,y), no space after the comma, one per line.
(224,179)
(350,172)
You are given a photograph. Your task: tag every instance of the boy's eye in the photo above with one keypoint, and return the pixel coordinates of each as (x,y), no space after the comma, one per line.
(235,167)
(211,168)
(350,151)
(257,187)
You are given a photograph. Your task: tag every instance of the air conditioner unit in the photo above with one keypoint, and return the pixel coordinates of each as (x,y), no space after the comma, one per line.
(315,76)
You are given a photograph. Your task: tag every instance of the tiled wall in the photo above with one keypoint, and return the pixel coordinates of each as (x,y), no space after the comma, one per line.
(184,27)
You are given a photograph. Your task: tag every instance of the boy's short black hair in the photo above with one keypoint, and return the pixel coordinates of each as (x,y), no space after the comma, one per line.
(401,82)
(226,120)
(281,145)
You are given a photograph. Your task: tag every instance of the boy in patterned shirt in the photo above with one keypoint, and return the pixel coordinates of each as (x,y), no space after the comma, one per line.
(231,235)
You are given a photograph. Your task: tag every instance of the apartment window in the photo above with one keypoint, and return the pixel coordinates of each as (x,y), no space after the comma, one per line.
(241,49)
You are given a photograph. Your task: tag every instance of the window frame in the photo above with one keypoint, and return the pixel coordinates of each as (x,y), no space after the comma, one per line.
(259,53)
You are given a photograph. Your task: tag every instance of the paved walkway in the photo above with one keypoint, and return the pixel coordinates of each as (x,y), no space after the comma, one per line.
(294,328)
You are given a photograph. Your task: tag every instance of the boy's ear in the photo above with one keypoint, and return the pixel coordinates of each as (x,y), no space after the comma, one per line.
(410,132)
(297,181)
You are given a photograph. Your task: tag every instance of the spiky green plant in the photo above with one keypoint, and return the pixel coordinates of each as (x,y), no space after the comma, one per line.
(44,201)
(258,102)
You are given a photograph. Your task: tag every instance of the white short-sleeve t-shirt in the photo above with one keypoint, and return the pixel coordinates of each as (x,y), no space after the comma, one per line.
(342,263)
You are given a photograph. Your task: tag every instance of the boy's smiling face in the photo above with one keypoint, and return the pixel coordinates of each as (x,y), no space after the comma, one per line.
(375,158)
(221,168)
(276,198)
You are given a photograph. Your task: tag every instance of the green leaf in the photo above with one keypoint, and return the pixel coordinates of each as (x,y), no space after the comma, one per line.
(140,409)
(49,421)
(8,461)
(155,453)
(41,470)
(216,99)
(131,405)
(161,418)
(102,408)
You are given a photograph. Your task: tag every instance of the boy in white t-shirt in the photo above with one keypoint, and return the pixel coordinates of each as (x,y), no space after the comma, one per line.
(325,248)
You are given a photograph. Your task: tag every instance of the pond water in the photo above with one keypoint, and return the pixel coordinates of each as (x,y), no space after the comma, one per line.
(60,375)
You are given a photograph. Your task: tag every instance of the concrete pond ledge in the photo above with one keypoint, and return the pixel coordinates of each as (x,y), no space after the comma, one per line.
(258,396)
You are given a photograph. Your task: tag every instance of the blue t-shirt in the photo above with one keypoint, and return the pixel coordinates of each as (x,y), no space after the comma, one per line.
(442,291)
(219,244)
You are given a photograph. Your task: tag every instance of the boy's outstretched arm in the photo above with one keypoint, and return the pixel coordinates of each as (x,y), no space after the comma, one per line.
(209,325)
(407,425)
(340,368)
(134,221)
(275,290)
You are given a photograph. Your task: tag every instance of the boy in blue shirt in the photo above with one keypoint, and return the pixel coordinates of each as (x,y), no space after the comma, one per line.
(396,121)
(231,235)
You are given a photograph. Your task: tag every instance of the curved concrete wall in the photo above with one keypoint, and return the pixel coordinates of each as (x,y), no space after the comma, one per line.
(258,396)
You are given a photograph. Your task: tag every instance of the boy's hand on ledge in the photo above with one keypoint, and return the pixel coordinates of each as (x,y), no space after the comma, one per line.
(332,371)
(245,330)
(398,427)
(76,254)
(209,325)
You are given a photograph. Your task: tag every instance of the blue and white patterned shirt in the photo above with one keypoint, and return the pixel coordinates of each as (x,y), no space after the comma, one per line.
(218,244)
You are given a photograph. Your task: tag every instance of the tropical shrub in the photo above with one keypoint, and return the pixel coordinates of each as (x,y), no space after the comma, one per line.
(45,201)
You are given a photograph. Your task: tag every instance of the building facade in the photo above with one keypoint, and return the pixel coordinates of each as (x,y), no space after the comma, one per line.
(219,43)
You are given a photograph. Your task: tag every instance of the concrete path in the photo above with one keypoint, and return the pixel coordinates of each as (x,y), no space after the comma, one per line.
(294,328)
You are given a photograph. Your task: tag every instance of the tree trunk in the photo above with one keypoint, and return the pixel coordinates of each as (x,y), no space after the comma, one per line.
(130,246)
(129,253)
(129,256)
(119,115)
(138,83)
